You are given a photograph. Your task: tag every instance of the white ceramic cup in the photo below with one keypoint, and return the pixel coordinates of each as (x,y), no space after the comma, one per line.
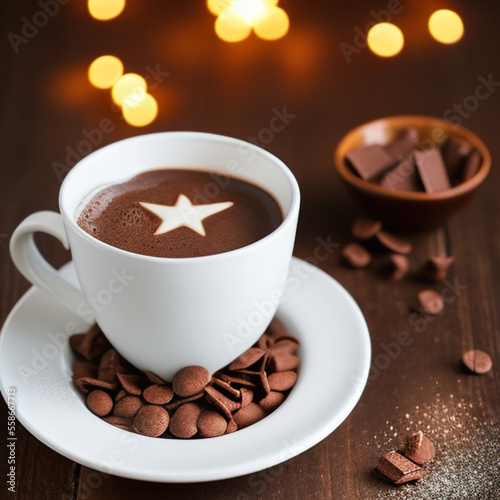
(163,314)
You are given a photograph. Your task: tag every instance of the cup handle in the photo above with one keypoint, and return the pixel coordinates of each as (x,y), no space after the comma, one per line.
(34,267)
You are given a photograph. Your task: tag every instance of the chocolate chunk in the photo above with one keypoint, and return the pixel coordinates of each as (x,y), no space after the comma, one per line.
(158,394)
(231,426)
(151,420)
(282,381)
(455,150)
(264,380)
(131,383)
(248,358)
(399,469)
(265,341)
(399,266)
(248,415)
(403,143)
(128,406)
(402,177)
(472,165)
(183,423)
(276,331)
(432,170)
(272,401)
(99,402)
(430,302)
(364,229)
(393,243)
(121,394)
(190,380)
(477,361)
(436,268)
(211,424)
(369,161)
(419,448)
(356,255)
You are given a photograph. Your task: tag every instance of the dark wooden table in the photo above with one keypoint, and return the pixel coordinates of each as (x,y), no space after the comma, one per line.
(204,84)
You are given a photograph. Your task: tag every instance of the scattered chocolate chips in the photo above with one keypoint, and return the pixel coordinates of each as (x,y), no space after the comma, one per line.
(151,420)
(99,402)
(477,361)
(190,380)
(419,448)
(430,302)
(356,255)
(196,404)
(398,468)
(364,229)
(399,266)
(436,268)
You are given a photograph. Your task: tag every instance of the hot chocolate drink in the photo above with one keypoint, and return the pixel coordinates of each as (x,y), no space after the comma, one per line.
(180,213)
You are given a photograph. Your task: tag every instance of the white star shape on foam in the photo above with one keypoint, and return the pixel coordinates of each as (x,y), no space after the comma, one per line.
(184,213)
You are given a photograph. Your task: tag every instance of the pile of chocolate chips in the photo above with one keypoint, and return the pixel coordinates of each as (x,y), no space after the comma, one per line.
(405,164)
(406,466)
(194,404)
(370,233)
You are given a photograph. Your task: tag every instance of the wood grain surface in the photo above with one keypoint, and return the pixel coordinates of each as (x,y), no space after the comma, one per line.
(203,84)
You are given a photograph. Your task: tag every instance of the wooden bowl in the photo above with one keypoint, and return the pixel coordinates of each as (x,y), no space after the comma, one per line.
(405,210)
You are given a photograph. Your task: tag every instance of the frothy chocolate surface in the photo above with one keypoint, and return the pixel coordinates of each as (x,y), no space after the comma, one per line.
(115,216)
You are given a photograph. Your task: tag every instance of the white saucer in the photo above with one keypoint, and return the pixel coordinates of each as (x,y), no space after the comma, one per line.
(335,355)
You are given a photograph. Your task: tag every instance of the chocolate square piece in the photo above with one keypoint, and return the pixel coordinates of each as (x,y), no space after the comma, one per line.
(369,161)
(404,142)
(432,171)
(455,150)
(403,177)
(398,468)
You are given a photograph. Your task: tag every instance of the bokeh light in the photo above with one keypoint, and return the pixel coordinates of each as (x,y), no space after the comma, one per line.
(236,18)
(142,112)
(103,10)
(385,40)
(273,25)
(105,71)
(129,89)
(231,28)
(446,26)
